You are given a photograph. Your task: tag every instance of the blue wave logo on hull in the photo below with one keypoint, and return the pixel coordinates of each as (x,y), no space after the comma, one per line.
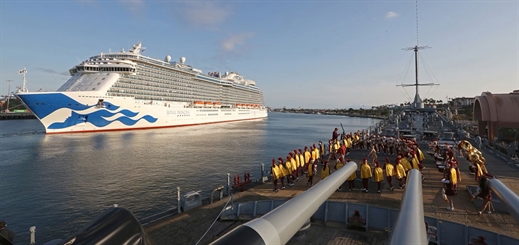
(43,104)
(97,118)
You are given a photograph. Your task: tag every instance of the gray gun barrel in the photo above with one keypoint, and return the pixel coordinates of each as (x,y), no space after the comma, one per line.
(507,196)
(281,224)
(410,225)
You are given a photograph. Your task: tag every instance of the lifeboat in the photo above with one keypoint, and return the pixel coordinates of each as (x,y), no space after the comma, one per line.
(198,103)
(217,104)
(208,104)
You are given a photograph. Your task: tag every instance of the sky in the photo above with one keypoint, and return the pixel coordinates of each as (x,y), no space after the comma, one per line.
(308,54)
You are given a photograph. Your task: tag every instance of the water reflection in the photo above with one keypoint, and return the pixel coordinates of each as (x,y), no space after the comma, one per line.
(60,182)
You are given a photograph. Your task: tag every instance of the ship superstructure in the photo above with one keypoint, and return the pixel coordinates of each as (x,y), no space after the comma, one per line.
(127,90)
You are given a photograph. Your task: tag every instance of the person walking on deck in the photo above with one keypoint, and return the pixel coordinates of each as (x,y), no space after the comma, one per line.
(451,181)
(283,172)
(325,171)
(485,194)
(400,173)
(310,173)
(335,134)
(321,151)
(276,174)
(390,172)
(373,154)
(365,174)
(378,175)
(338,166)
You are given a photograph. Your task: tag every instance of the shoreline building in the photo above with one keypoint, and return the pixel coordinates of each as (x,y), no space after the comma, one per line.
(497,114)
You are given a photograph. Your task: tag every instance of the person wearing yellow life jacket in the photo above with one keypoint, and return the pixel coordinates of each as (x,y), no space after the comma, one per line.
(313,153)
(276,174)
(400,173)
(365,174)
(326,170)
(317,155)
(293,166)
(308,155)
(451,182)
(289,175)
(282,172)
(351,179)
(301,162)
(295,156)
(405,163)
(339,164)
(390,172)
(414,160)
(378,175)
(321,150)
(310,173)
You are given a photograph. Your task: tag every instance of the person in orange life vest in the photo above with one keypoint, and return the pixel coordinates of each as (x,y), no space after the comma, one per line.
(325,171)
(365,174)
(310,173)
(276,174)
(390,172)
(400,173)
(283,172)
(378,175)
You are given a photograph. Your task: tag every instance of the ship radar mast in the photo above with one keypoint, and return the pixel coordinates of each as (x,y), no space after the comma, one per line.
(137,48)
(417,100)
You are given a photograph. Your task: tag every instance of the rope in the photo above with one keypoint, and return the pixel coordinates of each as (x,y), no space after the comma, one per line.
(230,198)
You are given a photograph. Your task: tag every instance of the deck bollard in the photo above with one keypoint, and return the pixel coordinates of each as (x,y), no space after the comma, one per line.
(228,184)
(33,234)
(178,200)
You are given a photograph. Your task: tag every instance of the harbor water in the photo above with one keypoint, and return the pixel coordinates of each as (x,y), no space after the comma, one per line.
(58,183)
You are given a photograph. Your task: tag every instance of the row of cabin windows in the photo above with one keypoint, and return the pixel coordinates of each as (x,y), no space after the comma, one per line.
(117,69)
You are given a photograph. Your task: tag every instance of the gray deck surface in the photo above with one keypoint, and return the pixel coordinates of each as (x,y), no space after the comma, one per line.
(187,228)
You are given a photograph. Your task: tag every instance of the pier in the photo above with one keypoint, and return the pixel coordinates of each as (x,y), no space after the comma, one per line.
(16,115)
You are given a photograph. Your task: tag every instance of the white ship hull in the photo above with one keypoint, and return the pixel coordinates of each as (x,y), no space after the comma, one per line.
(76,112)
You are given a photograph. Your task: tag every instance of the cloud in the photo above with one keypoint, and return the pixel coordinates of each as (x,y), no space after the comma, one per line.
(204,14)
(132,5)
(391,15)
(232,42)
(52,71)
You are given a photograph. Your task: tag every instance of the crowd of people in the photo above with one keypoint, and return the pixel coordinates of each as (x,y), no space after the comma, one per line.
(332,157)
(446,162)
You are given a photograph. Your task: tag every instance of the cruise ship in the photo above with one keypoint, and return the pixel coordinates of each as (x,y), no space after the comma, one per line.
(126,90)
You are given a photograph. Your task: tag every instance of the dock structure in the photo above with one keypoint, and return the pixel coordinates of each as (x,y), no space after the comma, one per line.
(328,228)
(13,116)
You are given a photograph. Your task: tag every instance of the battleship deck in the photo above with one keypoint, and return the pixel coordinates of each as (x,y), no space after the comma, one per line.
(188,227)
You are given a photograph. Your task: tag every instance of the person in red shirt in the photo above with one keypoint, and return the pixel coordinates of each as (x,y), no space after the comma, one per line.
(335,134)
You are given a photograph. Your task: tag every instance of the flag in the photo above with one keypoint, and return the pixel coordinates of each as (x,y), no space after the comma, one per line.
(22,71)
